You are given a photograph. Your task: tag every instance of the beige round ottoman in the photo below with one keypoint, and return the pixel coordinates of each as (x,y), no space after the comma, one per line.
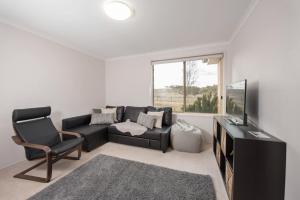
(186,137)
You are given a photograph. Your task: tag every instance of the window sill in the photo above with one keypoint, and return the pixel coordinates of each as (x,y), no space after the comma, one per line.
(198,114)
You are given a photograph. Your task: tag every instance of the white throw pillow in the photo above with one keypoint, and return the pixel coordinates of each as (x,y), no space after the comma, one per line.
(146,120)
(110,110)
(158,118)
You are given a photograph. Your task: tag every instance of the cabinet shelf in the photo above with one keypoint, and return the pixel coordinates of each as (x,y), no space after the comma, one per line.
(243,161)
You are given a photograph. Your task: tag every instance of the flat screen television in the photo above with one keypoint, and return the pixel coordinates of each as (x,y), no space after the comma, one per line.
(236,102)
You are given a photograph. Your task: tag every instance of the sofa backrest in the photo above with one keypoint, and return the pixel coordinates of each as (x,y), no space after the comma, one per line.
(132,113)
(74,122)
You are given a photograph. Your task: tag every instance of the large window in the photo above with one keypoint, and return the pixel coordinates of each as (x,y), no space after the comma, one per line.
(189,85)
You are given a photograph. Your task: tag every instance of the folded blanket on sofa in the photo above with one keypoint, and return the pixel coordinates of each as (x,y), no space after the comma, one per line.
(131,127)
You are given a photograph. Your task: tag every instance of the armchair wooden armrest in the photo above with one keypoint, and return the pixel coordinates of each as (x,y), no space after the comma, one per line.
(18,141)
(70,133)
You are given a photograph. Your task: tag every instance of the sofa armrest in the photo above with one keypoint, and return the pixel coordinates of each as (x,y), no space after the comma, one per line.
(73,122)
(165,139)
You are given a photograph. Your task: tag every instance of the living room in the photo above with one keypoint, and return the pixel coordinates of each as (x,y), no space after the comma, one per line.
(67,61)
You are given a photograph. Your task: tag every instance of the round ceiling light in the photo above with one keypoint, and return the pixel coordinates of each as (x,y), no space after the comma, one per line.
(118,10)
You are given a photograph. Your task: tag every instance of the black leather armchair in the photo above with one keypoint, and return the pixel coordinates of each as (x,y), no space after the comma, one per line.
(37,134)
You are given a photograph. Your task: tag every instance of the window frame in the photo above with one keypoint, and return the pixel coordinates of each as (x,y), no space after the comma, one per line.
(191,58)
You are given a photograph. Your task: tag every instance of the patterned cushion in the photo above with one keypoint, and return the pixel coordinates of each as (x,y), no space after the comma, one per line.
(146,120)
(120,112)
(112,111)
(167,118)
(102,118)
(158,118)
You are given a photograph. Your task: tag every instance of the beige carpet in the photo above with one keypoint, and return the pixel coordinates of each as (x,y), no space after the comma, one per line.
(202,163)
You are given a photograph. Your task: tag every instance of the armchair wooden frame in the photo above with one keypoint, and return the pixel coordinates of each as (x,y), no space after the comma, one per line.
(50,158)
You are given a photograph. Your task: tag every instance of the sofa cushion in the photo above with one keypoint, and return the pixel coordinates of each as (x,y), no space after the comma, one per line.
(94,135)
(90,129)
(146,120)
(132,113)
(120,112)
(153,134)
(167,117)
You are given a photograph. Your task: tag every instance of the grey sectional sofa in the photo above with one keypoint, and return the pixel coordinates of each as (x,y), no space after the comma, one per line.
(96,135)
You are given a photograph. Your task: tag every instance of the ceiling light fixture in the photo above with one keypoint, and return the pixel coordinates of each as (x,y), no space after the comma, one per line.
(118,10)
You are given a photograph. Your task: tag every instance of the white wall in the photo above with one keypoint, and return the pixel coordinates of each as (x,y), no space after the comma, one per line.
(36,72)
(266,52)
(129,79)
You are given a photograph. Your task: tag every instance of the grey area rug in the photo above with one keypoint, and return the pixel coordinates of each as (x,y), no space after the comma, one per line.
(106,177)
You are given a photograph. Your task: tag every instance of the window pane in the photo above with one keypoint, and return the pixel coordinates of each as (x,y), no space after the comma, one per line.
(168,85)
(202,86)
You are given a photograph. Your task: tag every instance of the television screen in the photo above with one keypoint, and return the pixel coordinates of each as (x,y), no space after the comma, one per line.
(236,99)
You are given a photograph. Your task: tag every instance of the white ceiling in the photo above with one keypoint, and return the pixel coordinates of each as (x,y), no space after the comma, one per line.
(157,24)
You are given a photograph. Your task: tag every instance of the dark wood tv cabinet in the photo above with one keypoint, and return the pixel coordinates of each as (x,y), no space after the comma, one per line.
(252,168)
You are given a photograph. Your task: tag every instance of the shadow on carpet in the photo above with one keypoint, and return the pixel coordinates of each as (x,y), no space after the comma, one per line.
(106,177)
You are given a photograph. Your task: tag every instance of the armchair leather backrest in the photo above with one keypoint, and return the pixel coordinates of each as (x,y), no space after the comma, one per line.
(33,126)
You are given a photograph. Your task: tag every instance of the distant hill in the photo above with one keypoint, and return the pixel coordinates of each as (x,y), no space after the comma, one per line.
(191,90)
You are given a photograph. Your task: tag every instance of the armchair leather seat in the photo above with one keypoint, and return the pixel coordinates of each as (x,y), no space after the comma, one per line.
(65,145)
